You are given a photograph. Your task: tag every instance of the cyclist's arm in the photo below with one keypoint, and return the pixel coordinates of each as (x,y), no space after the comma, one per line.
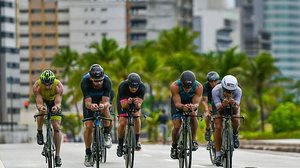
(59,91)
(38,97)
(216,99)
(105,101)
(175,96)
(197,97)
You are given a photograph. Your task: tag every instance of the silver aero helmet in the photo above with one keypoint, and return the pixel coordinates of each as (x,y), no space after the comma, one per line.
(212,76)
(229,82)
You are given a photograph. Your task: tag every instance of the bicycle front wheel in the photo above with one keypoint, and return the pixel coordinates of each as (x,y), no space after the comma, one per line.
(50,150)
(96,146)
(185,149)
(130,147)
(227,148)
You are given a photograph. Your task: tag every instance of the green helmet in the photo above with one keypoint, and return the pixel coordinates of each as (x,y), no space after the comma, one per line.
(47,77)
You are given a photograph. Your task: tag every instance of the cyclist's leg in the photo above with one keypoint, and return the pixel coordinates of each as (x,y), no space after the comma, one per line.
(107,125)
(218,139)
(137,129)
(207,117)
(87,136)
(121,133)
(194,126)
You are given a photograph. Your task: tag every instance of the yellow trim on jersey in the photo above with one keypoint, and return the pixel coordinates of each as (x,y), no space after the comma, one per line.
(50,94)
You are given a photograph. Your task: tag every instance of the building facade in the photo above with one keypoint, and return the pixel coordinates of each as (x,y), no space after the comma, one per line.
(254,37)
(282,21)
(9,63)
(218,27)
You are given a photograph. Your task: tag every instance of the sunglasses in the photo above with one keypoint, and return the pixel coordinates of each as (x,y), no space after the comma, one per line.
(134,86)
(97,80)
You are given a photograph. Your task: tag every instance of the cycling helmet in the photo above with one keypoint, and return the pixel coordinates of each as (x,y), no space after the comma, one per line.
(212,76)
(187,79)
(134,80)
(47,77)
(96,72)
(229,82)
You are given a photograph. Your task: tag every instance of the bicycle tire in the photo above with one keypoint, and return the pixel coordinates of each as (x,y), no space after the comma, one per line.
(228,150)
(212,151)
(102,147)
(185,149)
(130,148)
(103,155)
(97,146)
(50,150)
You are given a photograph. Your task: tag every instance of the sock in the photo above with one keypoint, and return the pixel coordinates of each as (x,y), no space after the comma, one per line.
(40,131)
(106,130)
(121,140)
(137,137)
(88,151)
(218,153)
(174,145)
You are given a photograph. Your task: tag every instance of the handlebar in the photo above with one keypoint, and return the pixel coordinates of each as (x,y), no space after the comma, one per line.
(45,114)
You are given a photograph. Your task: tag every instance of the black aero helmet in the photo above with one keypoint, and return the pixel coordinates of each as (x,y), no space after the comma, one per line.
(212,76)
(187,79)
(96,71)
(47,77)
(134,80)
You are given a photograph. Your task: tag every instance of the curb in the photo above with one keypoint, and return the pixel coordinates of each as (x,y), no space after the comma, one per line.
(282,146)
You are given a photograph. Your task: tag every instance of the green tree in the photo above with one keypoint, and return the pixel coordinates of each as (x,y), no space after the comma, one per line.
(259,73)
(285,118)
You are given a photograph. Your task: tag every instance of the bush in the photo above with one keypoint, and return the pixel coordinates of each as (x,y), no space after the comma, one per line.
(285,118)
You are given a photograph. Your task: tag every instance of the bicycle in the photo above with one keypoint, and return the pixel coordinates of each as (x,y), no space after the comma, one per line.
(211,144)
(99,151)
(227,147)
(49,147)
(130,142)
(185,141)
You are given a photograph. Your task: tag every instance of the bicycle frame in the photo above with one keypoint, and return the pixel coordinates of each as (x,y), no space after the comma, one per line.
(98,148)
(49,147)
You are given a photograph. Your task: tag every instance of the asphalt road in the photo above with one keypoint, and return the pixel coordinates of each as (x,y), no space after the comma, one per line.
(151,156)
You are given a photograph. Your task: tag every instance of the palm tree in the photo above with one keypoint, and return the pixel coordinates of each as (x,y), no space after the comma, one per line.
(260,71)
(176,40)
(65,59)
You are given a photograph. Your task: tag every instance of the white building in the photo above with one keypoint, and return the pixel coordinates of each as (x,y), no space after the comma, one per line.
(218,26)
(82,22)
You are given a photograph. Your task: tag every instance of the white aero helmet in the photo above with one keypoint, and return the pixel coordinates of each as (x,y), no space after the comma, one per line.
(229,82)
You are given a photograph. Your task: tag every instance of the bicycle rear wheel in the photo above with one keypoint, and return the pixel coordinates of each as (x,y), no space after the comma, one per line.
(228,149)
(130,147)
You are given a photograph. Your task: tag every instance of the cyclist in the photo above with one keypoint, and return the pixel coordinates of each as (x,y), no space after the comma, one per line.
(130,91)
(226,93)
(212,80)
(96,88)
(186,96)
(48,95)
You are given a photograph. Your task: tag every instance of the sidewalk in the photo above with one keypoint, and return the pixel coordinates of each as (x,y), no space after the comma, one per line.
(283,145)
